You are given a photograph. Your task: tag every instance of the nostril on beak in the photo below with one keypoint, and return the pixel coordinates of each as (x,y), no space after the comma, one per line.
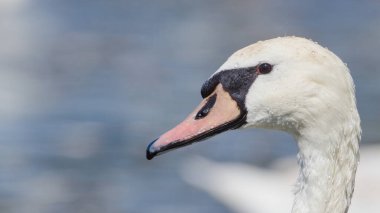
(206,108)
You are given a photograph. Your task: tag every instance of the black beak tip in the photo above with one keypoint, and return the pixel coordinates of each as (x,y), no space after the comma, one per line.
(150,151)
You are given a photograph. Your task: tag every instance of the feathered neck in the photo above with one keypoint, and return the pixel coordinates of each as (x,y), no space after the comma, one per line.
(328,157)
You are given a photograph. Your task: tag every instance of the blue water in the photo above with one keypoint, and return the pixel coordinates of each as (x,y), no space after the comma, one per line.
(86,85)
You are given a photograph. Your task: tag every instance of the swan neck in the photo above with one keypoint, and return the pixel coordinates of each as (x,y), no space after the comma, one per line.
(328,160)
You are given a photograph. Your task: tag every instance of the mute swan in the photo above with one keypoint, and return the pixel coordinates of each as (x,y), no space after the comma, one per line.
(290,84)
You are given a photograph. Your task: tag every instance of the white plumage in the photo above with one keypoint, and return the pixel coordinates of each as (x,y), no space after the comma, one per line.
(245,188)
(310,94)
(290,84)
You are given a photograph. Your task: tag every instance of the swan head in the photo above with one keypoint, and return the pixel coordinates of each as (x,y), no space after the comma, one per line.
(286,83)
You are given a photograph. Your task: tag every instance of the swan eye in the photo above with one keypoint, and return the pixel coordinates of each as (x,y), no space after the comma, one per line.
(264,68)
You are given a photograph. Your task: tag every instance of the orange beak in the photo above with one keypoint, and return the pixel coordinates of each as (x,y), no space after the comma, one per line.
(215,114)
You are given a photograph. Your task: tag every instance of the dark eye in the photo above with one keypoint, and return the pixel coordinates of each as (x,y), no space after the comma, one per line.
(264,68)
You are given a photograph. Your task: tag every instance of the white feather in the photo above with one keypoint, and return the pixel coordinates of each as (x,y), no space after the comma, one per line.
(245,188)
(310,94)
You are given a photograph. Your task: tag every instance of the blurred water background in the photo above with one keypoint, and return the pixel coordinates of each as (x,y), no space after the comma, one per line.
(86,85)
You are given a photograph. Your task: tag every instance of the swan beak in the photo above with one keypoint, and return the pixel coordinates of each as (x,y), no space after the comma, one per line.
(215,114)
